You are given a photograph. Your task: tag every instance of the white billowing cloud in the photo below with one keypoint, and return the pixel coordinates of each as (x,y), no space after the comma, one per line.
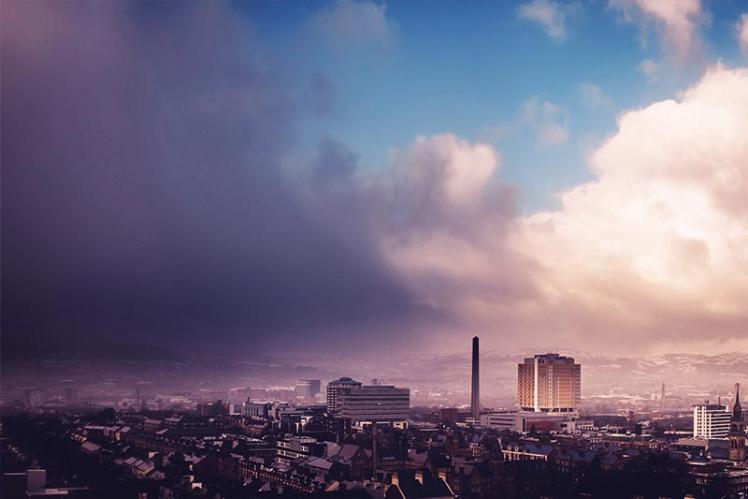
(655,249)
(355,21)
(678,22)
(549,15)
(547,119)
(742,33)
(453,171)
(451,219)
(648,256)
(593,96)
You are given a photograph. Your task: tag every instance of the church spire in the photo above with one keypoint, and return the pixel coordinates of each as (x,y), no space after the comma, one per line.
(737,411)
(737,430)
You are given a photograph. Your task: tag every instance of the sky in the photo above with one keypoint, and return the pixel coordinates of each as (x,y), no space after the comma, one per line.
(346,176)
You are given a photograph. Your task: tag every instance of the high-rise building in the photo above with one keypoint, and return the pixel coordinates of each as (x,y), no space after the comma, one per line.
(335,389)
(475,385)
(711,421)
(307,388)
(737,430)
(549,383)
(380,403)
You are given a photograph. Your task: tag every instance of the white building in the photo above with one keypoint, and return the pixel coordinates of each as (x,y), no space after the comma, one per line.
(505,420)
(524,421)
(711,421)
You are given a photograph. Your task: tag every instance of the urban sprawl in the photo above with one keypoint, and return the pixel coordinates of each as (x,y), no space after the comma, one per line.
(350,439)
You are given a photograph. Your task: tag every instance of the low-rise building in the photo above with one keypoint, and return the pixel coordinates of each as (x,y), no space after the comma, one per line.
(375,404)
(290,448)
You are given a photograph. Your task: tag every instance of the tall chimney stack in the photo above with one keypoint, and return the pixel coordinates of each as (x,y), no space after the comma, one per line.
(475,388)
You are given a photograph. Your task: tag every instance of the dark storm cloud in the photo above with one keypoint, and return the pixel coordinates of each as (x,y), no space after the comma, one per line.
(143,189)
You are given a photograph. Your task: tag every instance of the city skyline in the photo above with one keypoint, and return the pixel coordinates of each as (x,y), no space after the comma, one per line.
(318,186)
(246,442)
(373,249)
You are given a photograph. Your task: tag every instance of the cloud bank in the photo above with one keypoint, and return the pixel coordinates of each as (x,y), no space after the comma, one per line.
(161,197)
(149,196)
(650,253)
(646,257)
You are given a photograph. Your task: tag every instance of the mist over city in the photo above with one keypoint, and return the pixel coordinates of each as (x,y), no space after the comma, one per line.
(357,248)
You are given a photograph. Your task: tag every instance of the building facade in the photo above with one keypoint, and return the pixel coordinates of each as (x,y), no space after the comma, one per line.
(307,388)
(378,403)
(504,420)
(549,383)
(291,448)
(711,421)
(336,389)
(449,415)
(257,409)
(526,421)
